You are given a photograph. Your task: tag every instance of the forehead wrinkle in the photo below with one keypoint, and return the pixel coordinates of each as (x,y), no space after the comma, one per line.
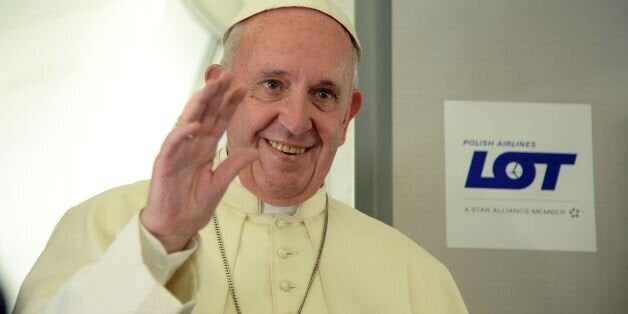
(296,19)
(254,32)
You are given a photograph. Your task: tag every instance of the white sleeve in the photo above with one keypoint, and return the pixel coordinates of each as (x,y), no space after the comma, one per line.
(129,278)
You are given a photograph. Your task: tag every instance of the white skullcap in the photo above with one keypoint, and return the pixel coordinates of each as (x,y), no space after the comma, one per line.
(253,7)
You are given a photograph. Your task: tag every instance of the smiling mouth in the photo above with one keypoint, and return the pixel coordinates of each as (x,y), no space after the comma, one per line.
(285,148)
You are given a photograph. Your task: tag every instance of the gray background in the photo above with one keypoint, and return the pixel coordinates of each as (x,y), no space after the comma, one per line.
(524,51)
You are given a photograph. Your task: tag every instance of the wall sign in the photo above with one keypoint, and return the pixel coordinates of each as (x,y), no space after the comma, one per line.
(519,176)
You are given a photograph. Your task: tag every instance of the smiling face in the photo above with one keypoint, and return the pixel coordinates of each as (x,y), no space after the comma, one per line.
(297,65)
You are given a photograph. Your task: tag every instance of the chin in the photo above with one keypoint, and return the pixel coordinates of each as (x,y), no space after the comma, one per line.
(284,188)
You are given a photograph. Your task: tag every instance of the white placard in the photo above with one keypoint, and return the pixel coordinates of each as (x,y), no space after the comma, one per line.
(519,176)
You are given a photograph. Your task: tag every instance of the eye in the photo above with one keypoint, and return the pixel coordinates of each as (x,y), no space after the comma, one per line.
(325,94)
(326,99)
(270,89)
(271,85)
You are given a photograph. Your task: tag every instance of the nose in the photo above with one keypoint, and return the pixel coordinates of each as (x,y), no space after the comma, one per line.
(295,114)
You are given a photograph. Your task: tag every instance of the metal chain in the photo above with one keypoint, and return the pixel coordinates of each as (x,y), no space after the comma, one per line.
(225,262)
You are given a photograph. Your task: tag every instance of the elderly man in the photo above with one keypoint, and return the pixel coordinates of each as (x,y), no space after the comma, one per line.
(248,228)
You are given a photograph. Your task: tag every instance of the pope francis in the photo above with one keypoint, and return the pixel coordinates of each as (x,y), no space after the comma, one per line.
(247,228)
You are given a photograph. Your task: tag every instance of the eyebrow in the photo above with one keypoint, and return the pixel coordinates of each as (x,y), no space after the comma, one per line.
(271,73)
(328,83)
(266,73)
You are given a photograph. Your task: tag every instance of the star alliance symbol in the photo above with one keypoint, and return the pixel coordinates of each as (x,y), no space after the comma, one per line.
(574,212)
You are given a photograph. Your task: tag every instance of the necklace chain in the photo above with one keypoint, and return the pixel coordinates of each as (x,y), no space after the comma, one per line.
(225,262)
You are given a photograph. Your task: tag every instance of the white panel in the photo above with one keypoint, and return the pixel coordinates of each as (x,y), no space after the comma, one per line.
(87,93)
(534,187)
(341,179)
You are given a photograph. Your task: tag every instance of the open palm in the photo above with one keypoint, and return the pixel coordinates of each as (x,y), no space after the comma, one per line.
(185,188)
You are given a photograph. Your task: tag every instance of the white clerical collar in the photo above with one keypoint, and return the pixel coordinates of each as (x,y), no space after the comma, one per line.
(274,210)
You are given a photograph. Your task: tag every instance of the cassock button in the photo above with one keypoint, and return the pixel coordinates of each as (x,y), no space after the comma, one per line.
(281,224)
(285,286)
(282,253)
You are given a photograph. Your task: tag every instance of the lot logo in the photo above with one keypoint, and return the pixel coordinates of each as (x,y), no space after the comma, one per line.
(516,170)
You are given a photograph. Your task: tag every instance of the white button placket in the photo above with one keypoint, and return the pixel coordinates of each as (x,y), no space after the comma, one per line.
(291,263)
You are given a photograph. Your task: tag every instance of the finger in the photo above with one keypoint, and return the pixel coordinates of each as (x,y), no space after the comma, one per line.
(178,137)
(196,106)
(193,110)
(219,128)
(230,167)
(213,72)
(226,113)
(214,102)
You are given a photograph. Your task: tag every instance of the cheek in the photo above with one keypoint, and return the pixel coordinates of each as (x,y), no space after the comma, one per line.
(240,126)
(331,132)
(249,119)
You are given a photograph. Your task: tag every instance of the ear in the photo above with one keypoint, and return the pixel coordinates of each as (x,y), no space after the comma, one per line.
(354,108)
(213,71)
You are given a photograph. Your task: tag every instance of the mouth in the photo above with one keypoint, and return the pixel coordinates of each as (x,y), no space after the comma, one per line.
(285,148)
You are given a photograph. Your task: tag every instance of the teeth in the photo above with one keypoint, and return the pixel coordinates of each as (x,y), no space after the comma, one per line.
(287,148)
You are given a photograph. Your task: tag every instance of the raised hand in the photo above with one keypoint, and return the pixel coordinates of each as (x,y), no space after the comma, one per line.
(184,190)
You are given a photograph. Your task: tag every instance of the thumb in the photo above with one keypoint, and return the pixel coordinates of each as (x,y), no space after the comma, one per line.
(230,167)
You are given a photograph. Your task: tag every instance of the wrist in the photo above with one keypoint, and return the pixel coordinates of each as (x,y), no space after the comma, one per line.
(165,232)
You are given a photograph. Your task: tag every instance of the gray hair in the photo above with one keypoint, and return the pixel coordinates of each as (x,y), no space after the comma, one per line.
(234,39)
